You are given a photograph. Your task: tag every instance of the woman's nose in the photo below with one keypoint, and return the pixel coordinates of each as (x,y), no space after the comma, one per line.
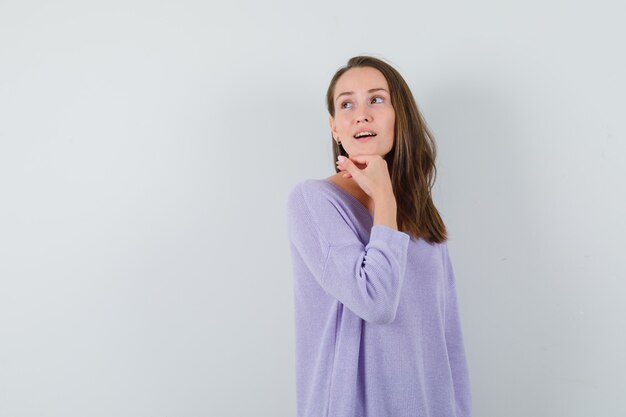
(363,118)
(363,114)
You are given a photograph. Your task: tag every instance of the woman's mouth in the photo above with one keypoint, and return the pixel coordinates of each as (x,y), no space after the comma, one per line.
(365,138)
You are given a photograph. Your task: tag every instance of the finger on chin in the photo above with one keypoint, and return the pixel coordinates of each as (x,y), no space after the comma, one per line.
(359,158)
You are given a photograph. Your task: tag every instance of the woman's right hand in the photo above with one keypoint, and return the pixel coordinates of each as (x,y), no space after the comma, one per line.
(373,178)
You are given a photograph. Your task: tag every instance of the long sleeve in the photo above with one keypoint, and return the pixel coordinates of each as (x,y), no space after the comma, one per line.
(366,279)
(454,342)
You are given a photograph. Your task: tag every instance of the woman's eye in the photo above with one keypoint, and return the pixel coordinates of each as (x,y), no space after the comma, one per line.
(345,103)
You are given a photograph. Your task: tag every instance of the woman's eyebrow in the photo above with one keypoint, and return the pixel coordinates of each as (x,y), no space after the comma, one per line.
(347,93)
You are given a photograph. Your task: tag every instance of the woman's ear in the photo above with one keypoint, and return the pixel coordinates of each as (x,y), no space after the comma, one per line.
(331,121)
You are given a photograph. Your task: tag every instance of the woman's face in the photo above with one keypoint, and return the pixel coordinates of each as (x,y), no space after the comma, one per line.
(363,103)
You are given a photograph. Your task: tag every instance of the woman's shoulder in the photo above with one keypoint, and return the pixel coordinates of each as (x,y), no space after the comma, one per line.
(325,198)
(310,187)
(313,199)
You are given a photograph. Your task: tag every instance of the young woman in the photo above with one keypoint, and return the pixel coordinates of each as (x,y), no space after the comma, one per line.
(378,332)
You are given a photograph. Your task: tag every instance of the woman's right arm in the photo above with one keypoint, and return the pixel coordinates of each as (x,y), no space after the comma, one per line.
(375,181)
(386,209)
(367,279)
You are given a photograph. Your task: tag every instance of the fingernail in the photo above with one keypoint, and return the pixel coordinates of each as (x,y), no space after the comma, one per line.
(341,158)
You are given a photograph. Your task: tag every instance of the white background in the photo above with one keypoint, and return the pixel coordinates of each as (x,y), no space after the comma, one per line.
(147,148)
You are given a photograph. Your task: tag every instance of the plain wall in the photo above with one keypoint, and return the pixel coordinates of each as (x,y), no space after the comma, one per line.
(147,148)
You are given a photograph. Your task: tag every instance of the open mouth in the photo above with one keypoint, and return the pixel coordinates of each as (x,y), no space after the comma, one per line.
(364,136)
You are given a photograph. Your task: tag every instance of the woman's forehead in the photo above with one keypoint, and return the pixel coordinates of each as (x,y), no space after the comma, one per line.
(357,80)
